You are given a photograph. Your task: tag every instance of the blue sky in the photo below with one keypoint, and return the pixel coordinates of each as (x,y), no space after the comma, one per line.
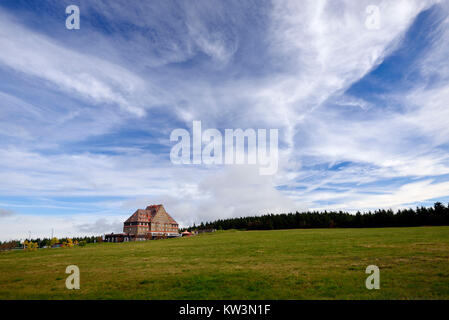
(86,115)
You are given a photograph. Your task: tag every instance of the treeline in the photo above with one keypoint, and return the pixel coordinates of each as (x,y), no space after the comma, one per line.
(438,215)
(47,242)
(9,245)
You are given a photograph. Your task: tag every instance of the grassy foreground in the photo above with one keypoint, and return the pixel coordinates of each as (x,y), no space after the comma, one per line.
(281,264)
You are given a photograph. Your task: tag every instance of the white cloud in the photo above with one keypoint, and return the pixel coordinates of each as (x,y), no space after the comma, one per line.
(42,226)
(6,213)
(407,194)
(100,226)
(232,192)
(92,78)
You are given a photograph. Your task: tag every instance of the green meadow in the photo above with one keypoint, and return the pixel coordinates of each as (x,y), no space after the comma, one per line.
(278,264)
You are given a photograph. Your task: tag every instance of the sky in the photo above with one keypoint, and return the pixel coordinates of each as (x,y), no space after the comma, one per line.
(86,115)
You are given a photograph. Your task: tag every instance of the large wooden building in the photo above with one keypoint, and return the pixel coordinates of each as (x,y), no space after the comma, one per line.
(153,222)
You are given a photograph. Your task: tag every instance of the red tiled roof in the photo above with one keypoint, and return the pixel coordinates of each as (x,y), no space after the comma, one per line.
(154,207)
(148,214)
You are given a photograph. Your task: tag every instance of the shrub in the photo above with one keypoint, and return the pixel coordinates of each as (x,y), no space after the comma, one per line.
(68,243)
(30,246)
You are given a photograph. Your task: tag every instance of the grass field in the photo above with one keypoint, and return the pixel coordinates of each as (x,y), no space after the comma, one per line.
(280,264)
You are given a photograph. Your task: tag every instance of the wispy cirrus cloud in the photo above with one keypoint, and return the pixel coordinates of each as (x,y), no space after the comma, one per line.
(76,73)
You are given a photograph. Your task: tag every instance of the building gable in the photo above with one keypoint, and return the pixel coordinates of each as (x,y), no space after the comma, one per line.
(161,212)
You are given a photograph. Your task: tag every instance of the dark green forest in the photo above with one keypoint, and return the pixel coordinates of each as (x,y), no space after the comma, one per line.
(438,215)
